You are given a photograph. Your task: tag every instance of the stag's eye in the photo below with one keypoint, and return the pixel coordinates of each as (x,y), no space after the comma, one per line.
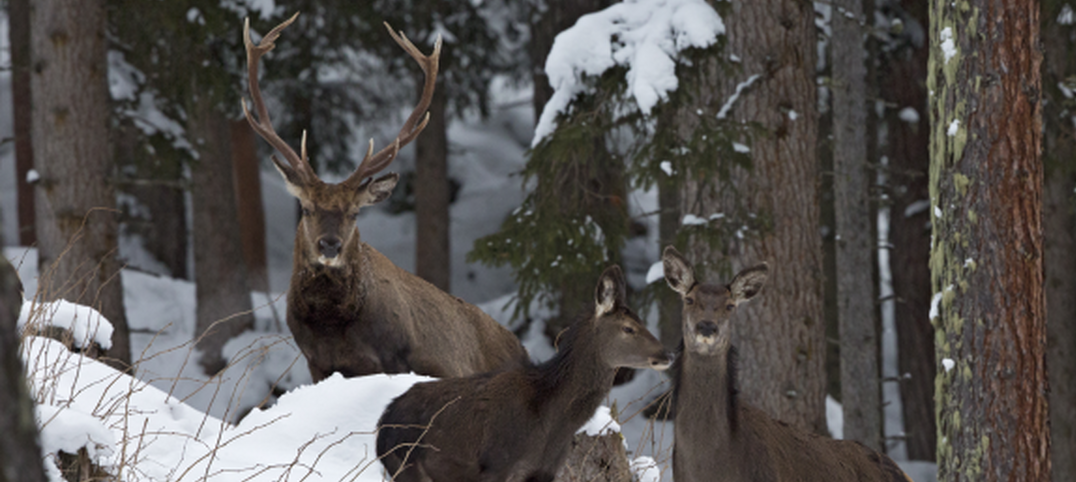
(306,211)
(629,330)
(689,301)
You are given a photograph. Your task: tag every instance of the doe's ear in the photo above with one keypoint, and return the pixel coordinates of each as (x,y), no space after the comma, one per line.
(748,283)
(610,291)
(378,189)
(678,271)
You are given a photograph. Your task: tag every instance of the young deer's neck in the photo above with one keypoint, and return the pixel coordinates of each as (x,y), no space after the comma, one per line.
(706,393)
(576,380)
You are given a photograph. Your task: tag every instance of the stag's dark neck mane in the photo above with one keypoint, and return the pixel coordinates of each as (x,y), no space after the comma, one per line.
(327,289)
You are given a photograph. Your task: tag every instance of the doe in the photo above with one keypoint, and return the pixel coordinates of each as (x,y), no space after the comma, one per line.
(517,425)
(717,438)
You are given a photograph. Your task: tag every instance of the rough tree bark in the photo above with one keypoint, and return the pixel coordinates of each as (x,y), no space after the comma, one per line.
(248,192)
(902,83)
(19,33)
(987,259)
(1059,223)
(856,310)
(20,453)
(433,257)
(220,274)
(781,336)
(75,200)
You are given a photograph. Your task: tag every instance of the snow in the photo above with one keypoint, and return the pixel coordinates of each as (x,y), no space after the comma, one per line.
(948,363)
(666,166)
(834,418)
(87,325)
(793,115)
(655,272)
(935,301)
(947,45)
(937,212)
(645,36)
(909,115)
(953,128)
(32,176)
(693,220)
(1066,17)
(916,207)
(740,88)
(743,149)
(645,469)
(602,423)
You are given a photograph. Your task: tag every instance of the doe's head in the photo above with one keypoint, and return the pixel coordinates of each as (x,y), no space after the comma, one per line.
(708,307)
(625,341)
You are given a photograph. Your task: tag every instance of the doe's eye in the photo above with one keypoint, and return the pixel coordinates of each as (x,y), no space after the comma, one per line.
(689,301)
(629,330)
(306,211)
(730,307)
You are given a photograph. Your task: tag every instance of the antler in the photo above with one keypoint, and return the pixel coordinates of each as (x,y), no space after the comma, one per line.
(374,163)
(264,127)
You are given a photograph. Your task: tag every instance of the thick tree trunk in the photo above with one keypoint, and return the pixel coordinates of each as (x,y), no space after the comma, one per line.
(220,275)
(248,190)
(669,304)
(22,111)
(20,453)
(855,256)
(902,83)
(781,336)
(1059,223)
(987,259)
(432,254)
(596,458)
(75,201)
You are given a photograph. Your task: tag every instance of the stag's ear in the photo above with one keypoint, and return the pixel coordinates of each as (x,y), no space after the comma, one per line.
(678,272)
(291,178)
(378,190)
(748,283)
(610,291)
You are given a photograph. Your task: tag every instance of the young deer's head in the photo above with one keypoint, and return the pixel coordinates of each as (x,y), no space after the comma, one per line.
(625,341)
(708,307)
(327,225)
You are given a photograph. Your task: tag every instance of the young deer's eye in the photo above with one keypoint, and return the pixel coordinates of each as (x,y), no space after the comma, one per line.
(730,307)
(306,211)
(629,330)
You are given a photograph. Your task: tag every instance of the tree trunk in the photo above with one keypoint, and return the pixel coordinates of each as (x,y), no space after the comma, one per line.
(986,262)
(22,113)
(669,304)
(596,458)
(855,256)
(781,336)
(902,82)
(75,201)
(432,254)
(220,275)
(20,453)
(552,17)
(1059,223)
(248,190)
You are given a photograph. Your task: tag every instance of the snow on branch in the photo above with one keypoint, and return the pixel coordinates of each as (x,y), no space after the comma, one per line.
(643,35)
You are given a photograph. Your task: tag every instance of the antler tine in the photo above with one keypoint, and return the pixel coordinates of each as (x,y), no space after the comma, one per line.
(372,164)
(264,125)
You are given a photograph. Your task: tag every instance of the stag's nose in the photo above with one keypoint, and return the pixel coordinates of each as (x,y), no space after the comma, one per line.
(707,328)
(329,246)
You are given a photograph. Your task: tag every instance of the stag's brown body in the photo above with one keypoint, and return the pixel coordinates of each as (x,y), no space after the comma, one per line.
(516,425)
(350,309)
(718,439)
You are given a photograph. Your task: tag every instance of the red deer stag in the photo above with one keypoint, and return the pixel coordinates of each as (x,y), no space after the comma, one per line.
(719,439)
(350,309)
(517,425)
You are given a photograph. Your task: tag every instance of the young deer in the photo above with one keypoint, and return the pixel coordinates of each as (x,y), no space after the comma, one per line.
(350,309)
(720,439)
(517,425)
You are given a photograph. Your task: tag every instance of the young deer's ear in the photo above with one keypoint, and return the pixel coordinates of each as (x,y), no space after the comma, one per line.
(292,180)
(748,283)
(610,291)
(678,272)
(378,190)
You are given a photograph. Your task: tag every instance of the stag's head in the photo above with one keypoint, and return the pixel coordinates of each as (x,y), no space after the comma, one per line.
(625,341)
(708,307)
(329,210)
